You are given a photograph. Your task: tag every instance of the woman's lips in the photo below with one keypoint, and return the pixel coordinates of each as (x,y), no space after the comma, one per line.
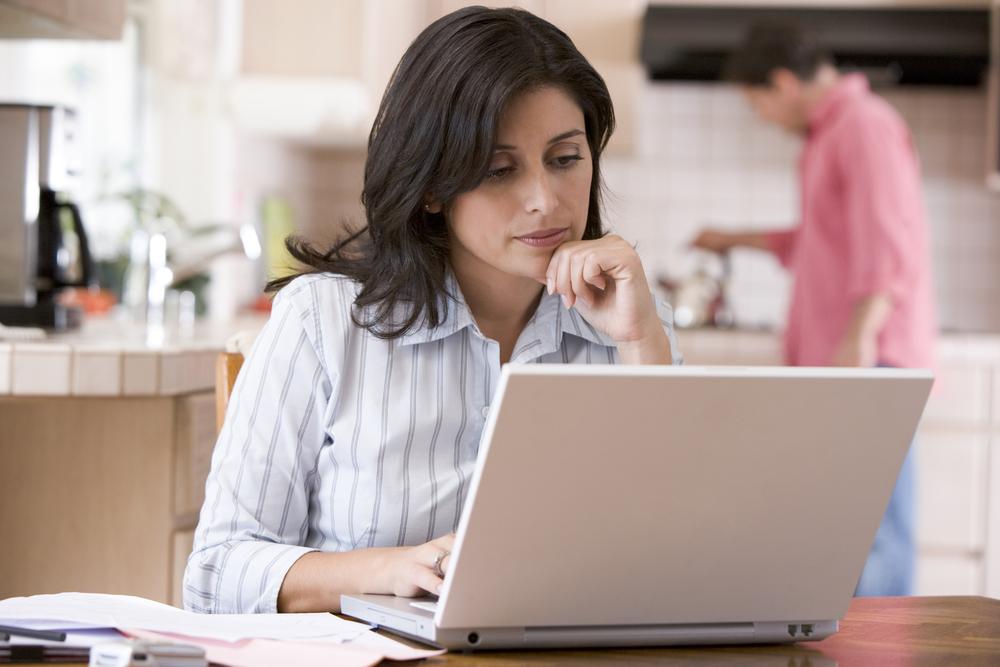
(545,238)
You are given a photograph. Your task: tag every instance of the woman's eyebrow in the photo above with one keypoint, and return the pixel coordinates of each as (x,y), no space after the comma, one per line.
(565,135)
(555,139)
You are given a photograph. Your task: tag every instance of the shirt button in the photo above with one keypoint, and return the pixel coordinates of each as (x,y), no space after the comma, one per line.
(485,411)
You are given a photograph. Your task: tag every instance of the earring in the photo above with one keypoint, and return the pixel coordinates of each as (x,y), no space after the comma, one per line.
(427,207)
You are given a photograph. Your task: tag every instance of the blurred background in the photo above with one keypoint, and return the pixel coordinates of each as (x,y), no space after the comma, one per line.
(258,112)
(194,135)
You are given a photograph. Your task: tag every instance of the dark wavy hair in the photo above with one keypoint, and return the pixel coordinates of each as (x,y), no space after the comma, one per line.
(433,139)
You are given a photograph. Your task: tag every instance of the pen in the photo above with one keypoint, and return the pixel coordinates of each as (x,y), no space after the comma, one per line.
(49,635)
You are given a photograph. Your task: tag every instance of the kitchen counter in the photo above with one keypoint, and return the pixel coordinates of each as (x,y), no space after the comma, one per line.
(763,347)
(107,404)
(110,357)
(106,439)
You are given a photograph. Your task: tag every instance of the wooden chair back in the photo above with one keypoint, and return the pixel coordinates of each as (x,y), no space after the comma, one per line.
(227,367)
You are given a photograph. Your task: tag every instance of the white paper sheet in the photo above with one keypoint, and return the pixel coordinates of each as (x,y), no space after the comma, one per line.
(97,610)
(390,648)
(267,653)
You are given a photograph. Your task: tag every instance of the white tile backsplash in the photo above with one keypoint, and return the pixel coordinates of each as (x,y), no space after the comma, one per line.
(701,157)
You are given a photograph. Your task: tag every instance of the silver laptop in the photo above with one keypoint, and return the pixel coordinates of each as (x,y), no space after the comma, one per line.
(660,505)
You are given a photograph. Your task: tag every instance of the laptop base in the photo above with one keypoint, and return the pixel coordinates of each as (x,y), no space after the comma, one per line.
(400,616)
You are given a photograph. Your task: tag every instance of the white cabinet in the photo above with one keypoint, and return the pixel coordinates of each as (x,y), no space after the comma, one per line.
(959,484)
(101,493)
(312,38)
(958,455)
(315,75)
(992,551)
(943,574)
(56,19)
(952,491)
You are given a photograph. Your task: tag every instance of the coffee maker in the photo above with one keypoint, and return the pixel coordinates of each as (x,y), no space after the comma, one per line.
(43,243)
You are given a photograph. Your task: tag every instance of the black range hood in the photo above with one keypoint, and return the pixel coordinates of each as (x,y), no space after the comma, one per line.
(947,47)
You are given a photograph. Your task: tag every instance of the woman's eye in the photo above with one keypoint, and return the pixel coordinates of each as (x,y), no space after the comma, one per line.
(498,173)
(564,161)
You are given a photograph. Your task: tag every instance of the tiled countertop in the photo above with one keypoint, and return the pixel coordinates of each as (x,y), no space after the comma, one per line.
(110,358)
(708,345)
(107,357)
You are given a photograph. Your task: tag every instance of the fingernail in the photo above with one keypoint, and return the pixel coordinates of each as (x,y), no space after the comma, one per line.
(565,300)
(548,285)
(437,591)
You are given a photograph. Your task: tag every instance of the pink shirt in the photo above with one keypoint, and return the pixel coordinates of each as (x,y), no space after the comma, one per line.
(862,232)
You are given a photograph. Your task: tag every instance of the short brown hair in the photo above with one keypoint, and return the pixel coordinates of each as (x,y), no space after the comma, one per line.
(777,44)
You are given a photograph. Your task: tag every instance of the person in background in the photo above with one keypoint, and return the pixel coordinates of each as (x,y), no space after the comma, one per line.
(862,292)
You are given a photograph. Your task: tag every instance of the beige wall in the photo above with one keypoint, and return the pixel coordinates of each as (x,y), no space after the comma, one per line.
(302,38)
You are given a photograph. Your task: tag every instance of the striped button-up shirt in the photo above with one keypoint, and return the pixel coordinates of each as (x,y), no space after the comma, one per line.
(335,439)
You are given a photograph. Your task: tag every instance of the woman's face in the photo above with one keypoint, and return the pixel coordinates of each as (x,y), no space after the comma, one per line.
(536,194)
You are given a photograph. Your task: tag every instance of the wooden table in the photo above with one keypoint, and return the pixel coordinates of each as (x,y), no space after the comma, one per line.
(911,631)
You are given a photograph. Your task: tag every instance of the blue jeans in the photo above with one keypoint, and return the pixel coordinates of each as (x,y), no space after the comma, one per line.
(891,562)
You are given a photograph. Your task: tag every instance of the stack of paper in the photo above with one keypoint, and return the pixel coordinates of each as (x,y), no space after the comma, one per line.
(238,640)
(75,648)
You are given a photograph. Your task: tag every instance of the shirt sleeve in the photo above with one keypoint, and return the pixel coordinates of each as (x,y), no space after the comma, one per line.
(782,244)
(881,190)
(254,520)
(666,315)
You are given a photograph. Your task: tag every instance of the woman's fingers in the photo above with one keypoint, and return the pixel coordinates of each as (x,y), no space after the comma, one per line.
(583,269)
(578,273)
(446,564)
(560,275)
(593,272)
(441,555)
(425,579)
(580,287)
(445,542)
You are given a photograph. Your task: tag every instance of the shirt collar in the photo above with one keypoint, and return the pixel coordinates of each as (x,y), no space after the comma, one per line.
(454,311)
(849,87)
(550,322)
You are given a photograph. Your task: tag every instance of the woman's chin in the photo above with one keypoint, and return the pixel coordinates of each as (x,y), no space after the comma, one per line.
(537,273)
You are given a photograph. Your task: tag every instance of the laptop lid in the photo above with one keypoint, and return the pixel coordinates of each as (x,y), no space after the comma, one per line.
(638,495)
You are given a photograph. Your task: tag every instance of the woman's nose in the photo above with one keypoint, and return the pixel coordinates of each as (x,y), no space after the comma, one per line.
(539,195)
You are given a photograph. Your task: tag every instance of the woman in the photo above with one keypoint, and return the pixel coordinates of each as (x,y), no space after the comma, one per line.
(354,425)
